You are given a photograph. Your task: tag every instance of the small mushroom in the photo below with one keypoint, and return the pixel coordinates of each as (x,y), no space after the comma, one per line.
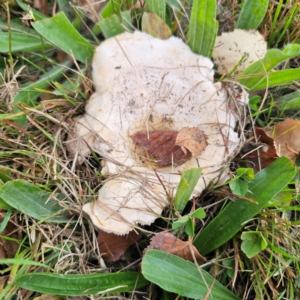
(239,48)
(150,94)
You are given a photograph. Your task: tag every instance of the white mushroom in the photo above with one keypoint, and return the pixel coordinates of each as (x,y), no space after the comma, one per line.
(239,48)
(147,85)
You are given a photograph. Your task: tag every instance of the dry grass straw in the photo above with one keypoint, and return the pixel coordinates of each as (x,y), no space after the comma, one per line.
(36,153)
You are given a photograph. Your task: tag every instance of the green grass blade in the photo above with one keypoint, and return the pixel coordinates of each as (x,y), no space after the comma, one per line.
(32,201)
(287,22)
(252,14)
(257,72)
(81,284)
(60,32)
(21,42)
(182,277)
(112,7)
(188,181)
(158,7)
(203,27)
(278,78)
(266,184)
(25,262)
(28,94)
(36,14)
(289,101)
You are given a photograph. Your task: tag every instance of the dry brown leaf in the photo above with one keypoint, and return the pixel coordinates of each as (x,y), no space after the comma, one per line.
(167,242)
(113,246)
(286,137)
(193,139)
(264,150)
(42,6)
(160,147)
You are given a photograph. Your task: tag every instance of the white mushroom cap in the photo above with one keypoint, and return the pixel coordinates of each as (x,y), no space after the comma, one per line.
(147,84)
(231,47)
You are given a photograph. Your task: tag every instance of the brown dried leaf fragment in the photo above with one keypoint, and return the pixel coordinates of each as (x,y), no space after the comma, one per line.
(160,147)
(113,246)
(286,137)
(191,139)
(261,154)
(169,243)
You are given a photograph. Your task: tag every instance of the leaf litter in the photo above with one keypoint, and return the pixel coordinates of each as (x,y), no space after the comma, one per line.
(169,243)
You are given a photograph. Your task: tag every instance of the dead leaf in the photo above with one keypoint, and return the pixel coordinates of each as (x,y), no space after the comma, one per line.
(8,248)
(263,150)
(286,137)
(192,139)
(160,147)
(155,26)
(42,6)
(167,242)
(113,246)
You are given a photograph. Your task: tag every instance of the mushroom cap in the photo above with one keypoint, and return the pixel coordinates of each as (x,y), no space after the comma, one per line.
(147,84)
(231,47)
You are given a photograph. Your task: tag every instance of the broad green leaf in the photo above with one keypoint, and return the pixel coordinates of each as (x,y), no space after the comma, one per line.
(253,243)
(5,175)
(188,181)
(158,7)
(111,26)
(266,184)
(238,187)
(111,8)
(245,173)
(60,32)
(199,213)
(203,27)
(22,42)
(229,265)
(115,25)
(289,101)
(33,201)
(126,20)
(281,77)
(258,71)
(182,221)
(190,227)
(252,14)
(175,5)
(182,277)
(4,205)
(81,284)
(155,26)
